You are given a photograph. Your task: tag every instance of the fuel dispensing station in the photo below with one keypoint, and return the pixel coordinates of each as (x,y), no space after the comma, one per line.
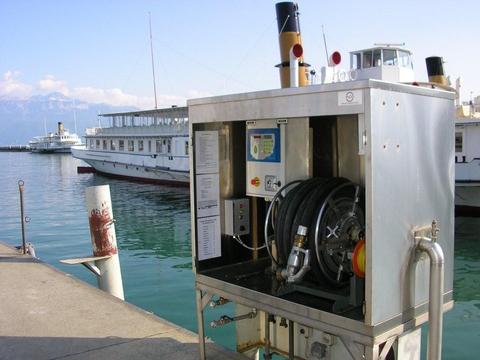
(314,210)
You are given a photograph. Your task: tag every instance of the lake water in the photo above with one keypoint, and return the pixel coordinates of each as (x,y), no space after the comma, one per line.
(153,235)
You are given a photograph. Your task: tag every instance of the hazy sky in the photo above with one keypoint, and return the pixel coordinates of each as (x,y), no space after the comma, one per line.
(100,51)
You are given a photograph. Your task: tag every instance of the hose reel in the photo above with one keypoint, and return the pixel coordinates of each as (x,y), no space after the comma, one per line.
(317,226)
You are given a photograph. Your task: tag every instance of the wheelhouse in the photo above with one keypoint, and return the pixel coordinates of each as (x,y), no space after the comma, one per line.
(386,63)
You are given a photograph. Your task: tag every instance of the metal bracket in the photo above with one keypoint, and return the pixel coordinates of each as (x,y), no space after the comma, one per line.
(88,262)
(92,268)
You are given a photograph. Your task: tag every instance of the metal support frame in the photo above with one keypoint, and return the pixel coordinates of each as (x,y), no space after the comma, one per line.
(202,299)
(386,348)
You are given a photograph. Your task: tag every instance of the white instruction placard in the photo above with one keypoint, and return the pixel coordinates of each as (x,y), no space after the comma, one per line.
(209,238)
(206,152)
(208,196)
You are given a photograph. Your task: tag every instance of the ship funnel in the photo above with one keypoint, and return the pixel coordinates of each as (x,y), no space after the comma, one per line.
(61,128)
(290,44)
(435,70)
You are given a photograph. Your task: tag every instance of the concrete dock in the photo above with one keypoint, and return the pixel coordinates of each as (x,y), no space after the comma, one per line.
(48,314)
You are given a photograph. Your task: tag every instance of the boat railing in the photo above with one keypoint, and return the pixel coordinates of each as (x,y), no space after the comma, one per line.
(174,129)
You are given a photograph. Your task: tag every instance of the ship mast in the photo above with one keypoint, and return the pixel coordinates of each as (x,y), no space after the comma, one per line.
(153,64)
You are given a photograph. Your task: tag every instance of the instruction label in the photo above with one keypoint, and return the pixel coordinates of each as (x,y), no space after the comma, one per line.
(206,152)
(208,235)
(207,196)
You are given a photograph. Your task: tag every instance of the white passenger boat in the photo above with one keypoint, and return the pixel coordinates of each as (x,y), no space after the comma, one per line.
(150,146)
(467,158)
(59,142)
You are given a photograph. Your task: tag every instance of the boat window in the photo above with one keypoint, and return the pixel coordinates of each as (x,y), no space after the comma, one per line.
(149,146)
(104,144)
(377,57)
(159,147)
(367,59)
(169,146)
(130,145)
(91,143)
(390,57)
(458,141)
(356,60)
(112,145)
(404,59)
(97,144)
(140,145)
(121,145)
(186,147)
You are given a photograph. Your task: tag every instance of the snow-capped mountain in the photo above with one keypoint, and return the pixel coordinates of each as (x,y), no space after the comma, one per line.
(20,120)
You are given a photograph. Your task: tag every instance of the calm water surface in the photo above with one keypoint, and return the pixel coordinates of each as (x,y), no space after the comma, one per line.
(152,227)
(153,235)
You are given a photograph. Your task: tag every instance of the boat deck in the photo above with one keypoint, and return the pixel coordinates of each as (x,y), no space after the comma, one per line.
(48,314)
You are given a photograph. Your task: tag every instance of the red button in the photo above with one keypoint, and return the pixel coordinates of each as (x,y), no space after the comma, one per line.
(255,182)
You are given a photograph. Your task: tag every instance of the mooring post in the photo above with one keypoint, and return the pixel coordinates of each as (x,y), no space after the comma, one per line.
(104,241)
(20,190)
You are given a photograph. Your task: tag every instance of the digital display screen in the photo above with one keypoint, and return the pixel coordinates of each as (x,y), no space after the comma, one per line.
(263,145)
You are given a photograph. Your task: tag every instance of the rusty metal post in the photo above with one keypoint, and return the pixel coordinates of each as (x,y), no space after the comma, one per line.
(22,216)
(104,241)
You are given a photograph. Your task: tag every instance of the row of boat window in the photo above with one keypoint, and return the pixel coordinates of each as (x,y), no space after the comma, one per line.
(162,146)
(375,57)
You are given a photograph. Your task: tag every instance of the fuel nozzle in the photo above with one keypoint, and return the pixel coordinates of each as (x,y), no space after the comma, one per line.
(298,263)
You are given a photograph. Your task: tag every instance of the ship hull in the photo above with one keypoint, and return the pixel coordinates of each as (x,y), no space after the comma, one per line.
(52,151)
(467,199)
(132,167)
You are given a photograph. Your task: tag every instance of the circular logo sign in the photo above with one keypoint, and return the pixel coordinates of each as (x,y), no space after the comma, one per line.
(349,96)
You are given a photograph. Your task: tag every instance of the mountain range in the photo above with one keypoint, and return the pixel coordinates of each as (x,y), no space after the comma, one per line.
(22,119)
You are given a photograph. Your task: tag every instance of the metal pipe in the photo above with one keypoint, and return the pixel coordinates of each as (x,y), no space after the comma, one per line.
(104,241)
(266,349)
(225,319)
(294,64)
(20,189)
(291,343)
(435,305)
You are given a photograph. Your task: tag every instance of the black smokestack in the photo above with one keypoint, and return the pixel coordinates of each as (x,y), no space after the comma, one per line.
(435,70)
(289,35)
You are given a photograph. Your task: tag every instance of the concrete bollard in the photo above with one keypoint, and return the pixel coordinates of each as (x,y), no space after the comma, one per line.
(104,240)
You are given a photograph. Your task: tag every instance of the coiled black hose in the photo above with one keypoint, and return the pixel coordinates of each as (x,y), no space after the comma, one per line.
(329,208)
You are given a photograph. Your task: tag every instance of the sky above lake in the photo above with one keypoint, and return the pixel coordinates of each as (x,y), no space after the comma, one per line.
(99,51)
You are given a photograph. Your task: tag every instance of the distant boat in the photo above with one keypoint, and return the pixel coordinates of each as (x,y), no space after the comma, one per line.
(467,158)
(59,142)
(149,146)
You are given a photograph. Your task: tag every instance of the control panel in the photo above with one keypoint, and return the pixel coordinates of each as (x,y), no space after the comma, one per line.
(265,157)
(277,152)
(237,217)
